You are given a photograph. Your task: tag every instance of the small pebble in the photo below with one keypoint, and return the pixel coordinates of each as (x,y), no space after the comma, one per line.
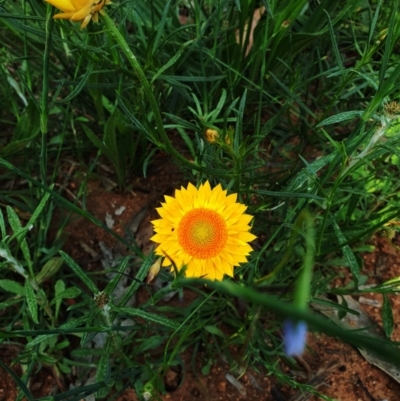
(120,210)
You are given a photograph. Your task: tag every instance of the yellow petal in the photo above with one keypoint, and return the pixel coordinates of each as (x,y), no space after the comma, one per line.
(187,200)
(166,215)
(236,229)
(63,16)
(169,199)
(218,265)
(169,231)
(63,5)
(192,190)
(159,238)
(200,199)
(210,274)
(218,275)
(217,192)
(79,4)
(247,237)
(235,209)
(207,192)
(231,199)
(161,223)
(235,242)
(166,262)
(82,14)
(226,267)
(228,257)
(238,218)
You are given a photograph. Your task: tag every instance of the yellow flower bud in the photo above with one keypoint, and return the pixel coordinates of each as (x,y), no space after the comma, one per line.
(154,270)
(212,135)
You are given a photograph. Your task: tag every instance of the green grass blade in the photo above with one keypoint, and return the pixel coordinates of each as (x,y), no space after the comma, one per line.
(31,301)
(150,317)
(79,273)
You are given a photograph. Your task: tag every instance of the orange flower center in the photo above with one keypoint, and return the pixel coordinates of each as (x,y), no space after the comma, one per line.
(202,233)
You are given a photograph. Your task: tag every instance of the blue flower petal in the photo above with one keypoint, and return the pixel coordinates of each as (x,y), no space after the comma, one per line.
(294,337)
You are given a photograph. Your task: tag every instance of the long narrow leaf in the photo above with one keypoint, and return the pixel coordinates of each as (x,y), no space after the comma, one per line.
(150,317)
(79,272)
(31,301)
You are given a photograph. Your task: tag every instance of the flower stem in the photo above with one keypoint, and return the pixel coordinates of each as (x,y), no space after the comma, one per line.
(162,135)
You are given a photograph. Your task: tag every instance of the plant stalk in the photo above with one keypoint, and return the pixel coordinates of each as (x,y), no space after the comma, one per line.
(162,135)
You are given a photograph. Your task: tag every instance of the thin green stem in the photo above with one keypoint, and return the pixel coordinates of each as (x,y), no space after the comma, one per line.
(162,135)
(44,103)
(303,287)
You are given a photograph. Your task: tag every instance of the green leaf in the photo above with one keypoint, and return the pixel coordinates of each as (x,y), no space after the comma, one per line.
(335,47)
(149,343)
(50,268)
(12,286)
(2,225)
(390,40)
(6,304)
(275,119)
(25,131)
(14,221)
(345,116)
(78,88)
(374,21)
(114,281)
(71,292)
(304,175)
(20,234)
(103,370)
(292,96)
(79,272)
(287,194)
(69,327)
(214,330)
(39,208)
(59,287)
(141,275)
(96,141)
(31,301)
(387,316)
(348,253)
(160,28)
(172,60)
(150,317)
(221,103)
(238,139)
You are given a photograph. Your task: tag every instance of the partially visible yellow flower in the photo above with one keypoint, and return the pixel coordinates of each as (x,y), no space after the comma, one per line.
(203,229)
(79,10)
(212,135)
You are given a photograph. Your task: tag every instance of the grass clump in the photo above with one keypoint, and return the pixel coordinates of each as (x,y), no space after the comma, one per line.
(291,105)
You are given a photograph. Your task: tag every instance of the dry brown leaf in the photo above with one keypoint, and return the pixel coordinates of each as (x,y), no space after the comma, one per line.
(369,326)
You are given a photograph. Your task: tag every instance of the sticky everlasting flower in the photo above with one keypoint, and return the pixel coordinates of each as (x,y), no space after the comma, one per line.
(79,10)
(203,229)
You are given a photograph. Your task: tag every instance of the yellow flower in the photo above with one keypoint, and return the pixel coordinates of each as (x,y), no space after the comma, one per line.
(79,10)
(204,230)
(212,135)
